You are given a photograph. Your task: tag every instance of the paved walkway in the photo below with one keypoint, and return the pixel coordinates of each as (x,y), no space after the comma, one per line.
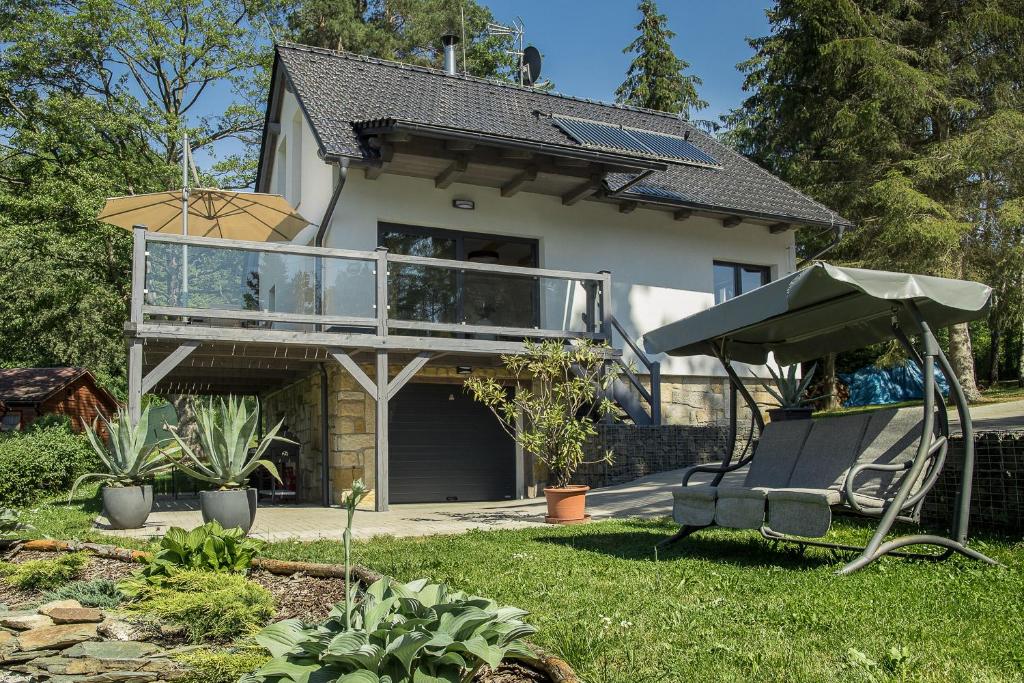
(646,497)
(994,417)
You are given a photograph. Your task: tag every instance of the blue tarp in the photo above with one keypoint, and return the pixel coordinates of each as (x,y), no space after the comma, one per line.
(872,385)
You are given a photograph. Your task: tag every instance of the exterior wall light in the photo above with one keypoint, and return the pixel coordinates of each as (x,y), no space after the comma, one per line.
(467,204)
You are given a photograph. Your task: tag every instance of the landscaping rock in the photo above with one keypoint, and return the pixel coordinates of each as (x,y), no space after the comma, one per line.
(15,657)
(75,615)
(105,649)
(56,637)
(58,604)
(122,629)
(14,677)
(6,638)
(24,622)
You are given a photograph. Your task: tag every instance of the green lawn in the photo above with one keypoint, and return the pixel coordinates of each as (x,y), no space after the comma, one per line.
(721,606)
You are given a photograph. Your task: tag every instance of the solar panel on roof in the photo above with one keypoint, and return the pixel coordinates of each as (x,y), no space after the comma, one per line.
(605,135)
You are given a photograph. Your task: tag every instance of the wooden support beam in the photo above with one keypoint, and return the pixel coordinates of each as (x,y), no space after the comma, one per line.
(682,214)
(516,154)
(731,221)
(777,228)
(399,136)
(135,380)
(451,173)
(627,207)
(527,175)
(357,372)
(583,190)
(380,450)
(373,172)
(459,145)
(407,373)
(167,364)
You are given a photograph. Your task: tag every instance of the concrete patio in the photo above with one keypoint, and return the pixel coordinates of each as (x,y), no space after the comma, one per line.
(646,497)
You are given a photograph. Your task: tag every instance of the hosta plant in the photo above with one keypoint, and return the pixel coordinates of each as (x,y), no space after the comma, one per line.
(418,632)
(11,524)
(209,547)
(128,454)
(229,451)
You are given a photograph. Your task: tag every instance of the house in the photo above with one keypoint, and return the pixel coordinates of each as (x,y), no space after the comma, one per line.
(483,214)
(29,393)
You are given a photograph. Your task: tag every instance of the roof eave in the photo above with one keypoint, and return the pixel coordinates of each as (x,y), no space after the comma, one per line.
(839,221)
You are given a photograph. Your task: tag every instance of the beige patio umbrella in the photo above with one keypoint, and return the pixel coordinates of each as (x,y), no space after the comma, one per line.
(211,212)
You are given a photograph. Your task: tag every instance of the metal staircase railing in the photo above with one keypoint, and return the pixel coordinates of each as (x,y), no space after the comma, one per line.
(643,406)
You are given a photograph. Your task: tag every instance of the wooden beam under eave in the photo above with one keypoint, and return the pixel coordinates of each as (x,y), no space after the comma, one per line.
(527,175)
(399,136)
(373,172)
(516,154)
(682,214)
(777,228)
(448,176)
(627,207)
(582,191)
(459,145)
(731,221)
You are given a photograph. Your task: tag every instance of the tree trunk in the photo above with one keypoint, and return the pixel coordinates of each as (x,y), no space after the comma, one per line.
(831,383)
(962,359)
(188,430)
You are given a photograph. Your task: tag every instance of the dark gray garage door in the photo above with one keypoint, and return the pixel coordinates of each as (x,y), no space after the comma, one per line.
(444,446)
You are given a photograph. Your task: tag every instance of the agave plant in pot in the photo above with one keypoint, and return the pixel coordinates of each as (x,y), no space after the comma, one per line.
(790,392)
(560,392)
(131,459)
(229,454)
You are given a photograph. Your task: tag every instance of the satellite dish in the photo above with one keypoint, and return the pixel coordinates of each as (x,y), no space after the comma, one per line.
(531,65)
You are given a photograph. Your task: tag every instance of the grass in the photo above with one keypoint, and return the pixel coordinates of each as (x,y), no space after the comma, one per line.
(722,606)
(1004,392)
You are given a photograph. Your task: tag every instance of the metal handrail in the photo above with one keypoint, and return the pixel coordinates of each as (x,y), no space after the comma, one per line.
(652,396)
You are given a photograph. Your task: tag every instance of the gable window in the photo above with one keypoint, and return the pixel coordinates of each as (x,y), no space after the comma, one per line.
(733,279)
(281,170)
(10,422)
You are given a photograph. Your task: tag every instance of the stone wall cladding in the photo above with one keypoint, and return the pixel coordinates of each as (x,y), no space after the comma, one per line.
(997,501)
(643,450)
(704,400)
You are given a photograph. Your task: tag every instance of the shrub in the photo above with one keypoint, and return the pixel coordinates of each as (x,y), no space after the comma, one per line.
(41,462)
(400,633)
(212,607)
(210,547)
(221,666)
(11,525)
(43,574)
(101,593)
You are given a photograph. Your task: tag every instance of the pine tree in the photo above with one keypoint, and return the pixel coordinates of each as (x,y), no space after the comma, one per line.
(657,78)
(907,118)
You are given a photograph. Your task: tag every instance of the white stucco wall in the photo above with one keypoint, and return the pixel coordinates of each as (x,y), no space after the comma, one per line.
(662,269)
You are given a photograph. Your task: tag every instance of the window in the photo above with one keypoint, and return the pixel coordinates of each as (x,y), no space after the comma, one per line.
(281,170)
(10,422)
(296,170)
(473,297)
(733,279)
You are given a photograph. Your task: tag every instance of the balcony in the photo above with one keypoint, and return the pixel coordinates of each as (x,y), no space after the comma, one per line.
(225,290)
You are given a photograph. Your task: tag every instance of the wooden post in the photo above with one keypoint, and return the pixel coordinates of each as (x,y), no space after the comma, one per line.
(606,304)
(381,434)
(381,422)
(135,316)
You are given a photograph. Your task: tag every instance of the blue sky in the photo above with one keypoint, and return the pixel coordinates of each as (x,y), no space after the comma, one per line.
(582,42)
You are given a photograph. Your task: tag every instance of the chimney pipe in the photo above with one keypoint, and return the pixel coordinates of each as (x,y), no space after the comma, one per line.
(449,40)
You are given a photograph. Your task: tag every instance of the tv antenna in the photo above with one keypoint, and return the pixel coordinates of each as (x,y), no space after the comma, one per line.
(528,55)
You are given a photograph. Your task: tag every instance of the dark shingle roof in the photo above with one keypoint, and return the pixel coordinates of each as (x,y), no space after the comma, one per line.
(30,385)
(338,89)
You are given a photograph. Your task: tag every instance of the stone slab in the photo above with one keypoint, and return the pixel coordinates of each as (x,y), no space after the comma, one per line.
(75,615)
(25,622)
(56,637)
(112,649)
(46,608)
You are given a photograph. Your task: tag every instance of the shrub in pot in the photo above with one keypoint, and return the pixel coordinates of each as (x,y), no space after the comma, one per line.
(131,460)
(790,393)
(560,390)
(230,453)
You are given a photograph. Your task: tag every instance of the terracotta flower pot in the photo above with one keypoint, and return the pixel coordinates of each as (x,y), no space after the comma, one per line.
(566,505)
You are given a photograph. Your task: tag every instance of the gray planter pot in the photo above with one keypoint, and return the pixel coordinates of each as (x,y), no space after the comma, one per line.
(127,507)
(234,508)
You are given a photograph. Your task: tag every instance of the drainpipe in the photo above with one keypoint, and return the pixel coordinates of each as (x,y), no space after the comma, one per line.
(325,425)
(840,230)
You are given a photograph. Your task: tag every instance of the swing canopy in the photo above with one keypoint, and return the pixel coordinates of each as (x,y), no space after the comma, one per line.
(822,308)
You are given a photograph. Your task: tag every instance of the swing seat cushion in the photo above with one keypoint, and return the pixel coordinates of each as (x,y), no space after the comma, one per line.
(802,512)
(740,507)
(694,505)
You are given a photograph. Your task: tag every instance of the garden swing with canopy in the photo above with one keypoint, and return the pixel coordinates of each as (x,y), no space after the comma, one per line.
(878,465)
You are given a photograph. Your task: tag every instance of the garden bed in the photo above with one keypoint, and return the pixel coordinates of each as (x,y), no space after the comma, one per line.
(296,591)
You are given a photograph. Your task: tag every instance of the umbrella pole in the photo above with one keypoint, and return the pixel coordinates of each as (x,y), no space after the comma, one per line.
(184,220)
